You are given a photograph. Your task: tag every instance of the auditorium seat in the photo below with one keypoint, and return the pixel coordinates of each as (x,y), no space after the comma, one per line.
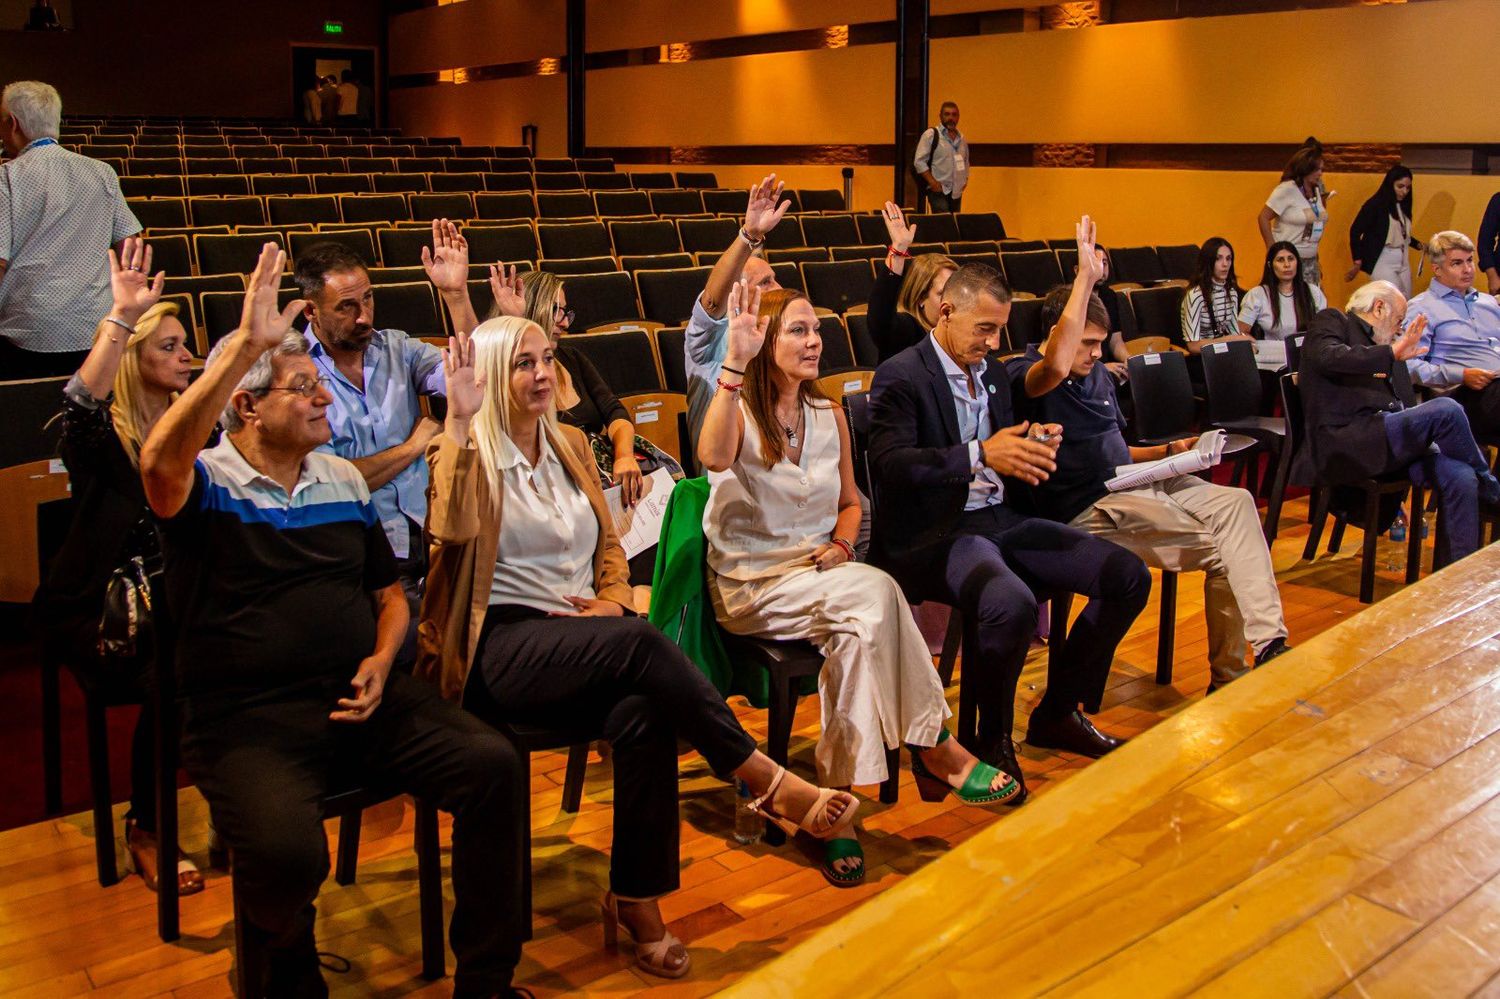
(829,230)
(980,225)
(410,308)
(564,204)
(154,213)
(707,235)
(1067,261)
(671,202)
(365,164)
(597,299)
(838,354)
(787,234)
(821,200)
(630,263)
(302,150)
(485,151)
(507,182)
(725,202)
(359,240)
(397,275)
(553,164)
(854,252)
(625,359)
(342,183)
(557,181)
(508,243)
(149,165)
(1179,262)
(1136,264)
(941,227)
(987,259)
(234,254)
(838,285)
(400,183)
(578,265)
(419,164)
(799,254)
(306,208)
(505,205)
(573,240)
(152,187)
(645,237)
(442,183)
(223,185)
(373,207)
(1033,271)
(788,275)
(202,166)
(606,181)
(1158,311)
(465,164)
(503,164)
(622,204)
(652,181)
(227,211)
(696,179)
(453,205)
(594,164)
(281,183)
(667,296)
(1025,324)
(403,247)
(1022,245)
(973,246)
(265,164)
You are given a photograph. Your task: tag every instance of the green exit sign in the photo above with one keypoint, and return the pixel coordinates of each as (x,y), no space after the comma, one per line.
(333,27)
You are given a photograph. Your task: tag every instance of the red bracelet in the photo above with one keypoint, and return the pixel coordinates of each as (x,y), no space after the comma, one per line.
(732,388)
(899,253)
(848,548)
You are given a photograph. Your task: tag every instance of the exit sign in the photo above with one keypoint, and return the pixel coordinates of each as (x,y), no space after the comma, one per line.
(333,27)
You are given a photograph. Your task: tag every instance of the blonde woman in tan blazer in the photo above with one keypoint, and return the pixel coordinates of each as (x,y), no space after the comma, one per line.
(527,618)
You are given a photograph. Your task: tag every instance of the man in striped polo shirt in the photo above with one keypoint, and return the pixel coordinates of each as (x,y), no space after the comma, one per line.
(290,613)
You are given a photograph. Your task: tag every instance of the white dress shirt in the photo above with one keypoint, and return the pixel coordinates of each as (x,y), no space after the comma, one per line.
(548,533)
(986,488)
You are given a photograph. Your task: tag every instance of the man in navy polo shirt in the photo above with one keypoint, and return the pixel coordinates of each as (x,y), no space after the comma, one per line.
(290,614)
(1183,524)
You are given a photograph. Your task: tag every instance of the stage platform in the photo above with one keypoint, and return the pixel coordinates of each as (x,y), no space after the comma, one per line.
(1332,817)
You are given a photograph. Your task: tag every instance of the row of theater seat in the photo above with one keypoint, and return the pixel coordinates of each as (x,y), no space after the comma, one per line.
(220,185)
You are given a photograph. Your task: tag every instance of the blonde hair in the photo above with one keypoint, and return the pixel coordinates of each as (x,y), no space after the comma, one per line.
(760,392)
(920,273)
(541,288)
(496,343)
(1439,245)
(128,411)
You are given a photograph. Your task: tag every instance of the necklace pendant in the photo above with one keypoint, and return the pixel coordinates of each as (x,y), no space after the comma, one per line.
(791,436)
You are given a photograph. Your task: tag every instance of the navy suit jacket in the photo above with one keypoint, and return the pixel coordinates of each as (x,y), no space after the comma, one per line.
(919,466)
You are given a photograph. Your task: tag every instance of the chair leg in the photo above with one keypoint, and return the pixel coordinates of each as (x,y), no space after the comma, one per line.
(104,819)
(430,891)
(1367,560)
(1414,523)
(782,710)
(345,868)
(1317,517)
(578,761)
(952,642)
(1166,632)
(890,788)
(1336,536)
(1278,493)
(51,735)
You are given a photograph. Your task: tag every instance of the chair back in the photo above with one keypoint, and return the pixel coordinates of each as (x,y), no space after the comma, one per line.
(1163,394)
(857,411)
(1232,379)
(1294,350)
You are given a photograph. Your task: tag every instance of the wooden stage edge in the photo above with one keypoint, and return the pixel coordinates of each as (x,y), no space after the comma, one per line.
(1327,825)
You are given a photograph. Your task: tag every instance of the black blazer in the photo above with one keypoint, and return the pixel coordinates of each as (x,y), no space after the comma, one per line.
(1367,234)
(919,466)
(892,330)
(1347,380)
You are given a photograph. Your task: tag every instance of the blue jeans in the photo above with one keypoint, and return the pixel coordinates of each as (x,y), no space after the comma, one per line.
(1434,444)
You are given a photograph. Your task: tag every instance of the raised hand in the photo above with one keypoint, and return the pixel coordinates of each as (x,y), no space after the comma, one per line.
(465,385)
(263,324)
(902,235)
(130,283)
(747,329)
(447,261)
(762,211)
(1090,257)
(510,294)
(1406,345)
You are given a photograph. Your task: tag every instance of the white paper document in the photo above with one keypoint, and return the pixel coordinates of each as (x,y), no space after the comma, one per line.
(1270,355)
(639,527)
(1207,454)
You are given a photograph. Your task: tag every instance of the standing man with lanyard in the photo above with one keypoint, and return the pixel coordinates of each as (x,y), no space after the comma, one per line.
(942,162)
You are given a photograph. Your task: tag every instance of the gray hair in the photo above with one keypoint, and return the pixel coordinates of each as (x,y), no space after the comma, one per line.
(972,280)
(258,379)
(36,107)
(1439,245)
(1366,295)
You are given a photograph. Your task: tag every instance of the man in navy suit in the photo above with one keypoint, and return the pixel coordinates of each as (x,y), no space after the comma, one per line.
(942,453)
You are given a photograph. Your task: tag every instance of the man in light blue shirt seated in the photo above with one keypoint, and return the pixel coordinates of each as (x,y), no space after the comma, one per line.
(703,343)
(377,378)
(1463,334)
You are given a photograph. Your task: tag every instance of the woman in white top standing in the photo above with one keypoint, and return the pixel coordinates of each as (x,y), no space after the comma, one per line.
(527,617)
(780,524)
(1283,303)
(1295,211)
(1380,237)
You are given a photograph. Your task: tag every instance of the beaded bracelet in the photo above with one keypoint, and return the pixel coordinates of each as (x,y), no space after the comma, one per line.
(848,548)
(728,387)
(899,253)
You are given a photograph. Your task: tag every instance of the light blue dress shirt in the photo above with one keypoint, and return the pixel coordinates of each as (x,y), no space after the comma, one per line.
(704,346)
(986,488)
(398,370)
(1463,331)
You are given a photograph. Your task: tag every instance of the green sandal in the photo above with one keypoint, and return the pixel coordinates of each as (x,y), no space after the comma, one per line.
(835,850)
(976,788)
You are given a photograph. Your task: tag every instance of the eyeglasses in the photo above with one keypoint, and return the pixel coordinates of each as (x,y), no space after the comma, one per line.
(305,389)
(562,316)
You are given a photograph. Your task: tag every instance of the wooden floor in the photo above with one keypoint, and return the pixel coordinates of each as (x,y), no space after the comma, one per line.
(1383,793)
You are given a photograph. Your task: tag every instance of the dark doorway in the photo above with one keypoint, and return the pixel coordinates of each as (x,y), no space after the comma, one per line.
(311,64)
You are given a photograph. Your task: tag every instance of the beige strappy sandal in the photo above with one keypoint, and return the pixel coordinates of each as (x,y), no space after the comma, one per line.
(651,957)
(815,822)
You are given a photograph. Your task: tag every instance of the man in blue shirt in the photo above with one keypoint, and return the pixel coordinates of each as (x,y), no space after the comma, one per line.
(1181,524)
(703,343)
(377,378)
(1462,341)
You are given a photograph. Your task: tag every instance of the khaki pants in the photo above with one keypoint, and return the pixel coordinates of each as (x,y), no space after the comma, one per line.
(1188,525)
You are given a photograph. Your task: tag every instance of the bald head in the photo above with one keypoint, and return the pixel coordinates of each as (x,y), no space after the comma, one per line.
(760,275)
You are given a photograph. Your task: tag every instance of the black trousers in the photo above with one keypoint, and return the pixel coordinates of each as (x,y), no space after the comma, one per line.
(1483,409)
(624,676)
(17,363)
(995,569)
(265,770)
(412,574)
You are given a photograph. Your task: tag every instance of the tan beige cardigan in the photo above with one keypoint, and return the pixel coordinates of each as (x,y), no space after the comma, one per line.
(463,529)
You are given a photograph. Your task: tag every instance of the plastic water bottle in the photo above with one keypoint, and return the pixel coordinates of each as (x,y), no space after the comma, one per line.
(1398,526)
(748,827)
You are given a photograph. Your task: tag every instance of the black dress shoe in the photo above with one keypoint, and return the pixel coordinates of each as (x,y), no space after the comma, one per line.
(1006,761)
(1276,647)
(1071,732)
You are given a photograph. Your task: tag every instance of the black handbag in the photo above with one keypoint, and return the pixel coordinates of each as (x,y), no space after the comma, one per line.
(125,626)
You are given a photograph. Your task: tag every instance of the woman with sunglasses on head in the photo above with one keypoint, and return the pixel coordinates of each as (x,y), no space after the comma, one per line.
(527,618)
(1283,303)
(139,363)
